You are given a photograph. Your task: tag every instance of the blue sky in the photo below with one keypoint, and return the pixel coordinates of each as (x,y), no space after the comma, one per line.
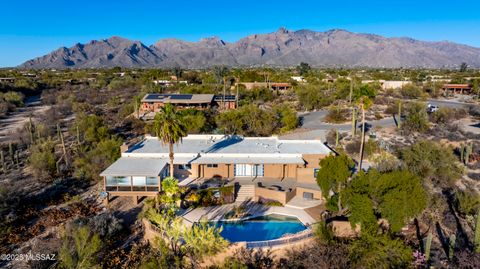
(32,28)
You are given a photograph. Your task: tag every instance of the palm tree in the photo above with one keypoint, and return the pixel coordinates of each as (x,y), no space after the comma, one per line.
(169,127)
(220,73)
(364,103)
(177,70)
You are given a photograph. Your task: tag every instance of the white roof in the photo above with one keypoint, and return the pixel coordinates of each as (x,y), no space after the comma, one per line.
(133,166)
(193,145)
(248,160)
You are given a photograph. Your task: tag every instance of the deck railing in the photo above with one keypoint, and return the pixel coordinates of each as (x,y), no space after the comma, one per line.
(281,241)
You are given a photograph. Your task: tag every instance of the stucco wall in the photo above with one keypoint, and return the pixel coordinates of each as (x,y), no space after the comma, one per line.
(317,194)
(281,196)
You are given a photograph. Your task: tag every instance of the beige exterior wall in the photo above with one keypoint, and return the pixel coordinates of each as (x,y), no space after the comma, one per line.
(223,170)
(313,160)
(317,194)
(280,170)
(281,196)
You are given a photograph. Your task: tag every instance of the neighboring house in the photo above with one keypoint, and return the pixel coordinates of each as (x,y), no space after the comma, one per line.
(167,83)
(7,80)
(299,79)
(152,102)
(451,89)
(269,167)
(274,86)
(389,84)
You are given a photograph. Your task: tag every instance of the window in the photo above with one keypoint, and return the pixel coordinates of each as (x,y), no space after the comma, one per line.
(184,166)
(212,165)
(138,181)
(315,172)
(248,170)
(152,181)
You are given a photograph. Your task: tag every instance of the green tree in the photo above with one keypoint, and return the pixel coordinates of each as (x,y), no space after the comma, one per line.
(169,127)
(79,249)
(303,68)
(379,252)
(396,196)
(364,103)
(416,117)
(463,67)
(433,161)
(333,175)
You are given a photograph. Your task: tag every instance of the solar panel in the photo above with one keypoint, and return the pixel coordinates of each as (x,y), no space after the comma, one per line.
(180,96)
(155,96)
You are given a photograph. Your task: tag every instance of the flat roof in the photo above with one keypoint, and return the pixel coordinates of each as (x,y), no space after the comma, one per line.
(248,160)
(178,98)
(135,166)
(235,146)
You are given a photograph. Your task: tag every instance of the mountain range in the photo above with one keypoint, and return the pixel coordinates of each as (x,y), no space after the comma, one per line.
(283,48)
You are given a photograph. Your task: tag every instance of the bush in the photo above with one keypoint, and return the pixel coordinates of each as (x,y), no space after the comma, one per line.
(336,115)
(416,118)
(468,202)
(433,161)
(42,159)
(411,91)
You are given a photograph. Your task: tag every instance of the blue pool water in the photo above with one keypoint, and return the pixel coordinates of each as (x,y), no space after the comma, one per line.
(261,228)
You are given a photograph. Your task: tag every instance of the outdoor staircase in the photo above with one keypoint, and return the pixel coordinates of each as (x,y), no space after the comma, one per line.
(245,193)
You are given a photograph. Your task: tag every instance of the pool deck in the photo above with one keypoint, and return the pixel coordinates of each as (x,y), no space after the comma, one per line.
(216,213)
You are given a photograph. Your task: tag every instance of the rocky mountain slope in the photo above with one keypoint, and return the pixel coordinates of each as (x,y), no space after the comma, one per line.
(334,48)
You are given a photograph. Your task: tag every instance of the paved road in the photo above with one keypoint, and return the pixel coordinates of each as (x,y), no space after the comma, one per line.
(314,126)
(315,121)
(449,103)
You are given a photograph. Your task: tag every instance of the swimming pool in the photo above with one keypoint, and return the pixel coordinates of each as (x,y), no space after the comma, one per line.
(261,228)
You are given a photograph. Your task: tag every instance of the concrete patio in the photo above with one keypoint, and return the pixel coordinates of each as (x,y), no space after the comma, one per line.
(216,213)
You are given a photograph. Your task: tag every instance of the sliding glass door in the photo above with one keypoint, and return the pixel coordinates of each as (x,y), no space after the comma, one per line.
(248,170)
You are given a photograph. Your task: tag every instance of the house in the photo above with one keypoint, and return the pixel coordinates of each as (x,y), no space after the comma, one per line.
(299,79)
(389,84)
(275,86)
(168,83)
(152,102)
(264,167)
(451,89)
(7,80)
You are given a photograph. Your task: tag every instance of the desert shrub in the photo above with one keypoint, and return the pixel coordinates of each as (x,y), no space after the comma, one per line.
(416,118)
(317,255)
(431,160)
(42,159)
(371,147)
(353,148)
(446,115)
(379,252)
(467,202)
(250,258)
(386,162)
(336,115)
(411,91)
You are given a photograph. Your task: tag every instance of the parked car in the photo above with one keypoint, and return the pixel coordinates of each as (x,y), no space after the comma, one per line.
(432,108)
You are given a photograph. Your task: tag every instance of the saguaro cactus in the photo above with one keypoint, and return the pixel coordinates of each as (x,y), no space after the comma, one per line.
(477,233)
(468,151)
(399,121)
(11,151)
(428,245)
(354,121)
(462,153)
(451,246)
(2,161)
(336,138)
